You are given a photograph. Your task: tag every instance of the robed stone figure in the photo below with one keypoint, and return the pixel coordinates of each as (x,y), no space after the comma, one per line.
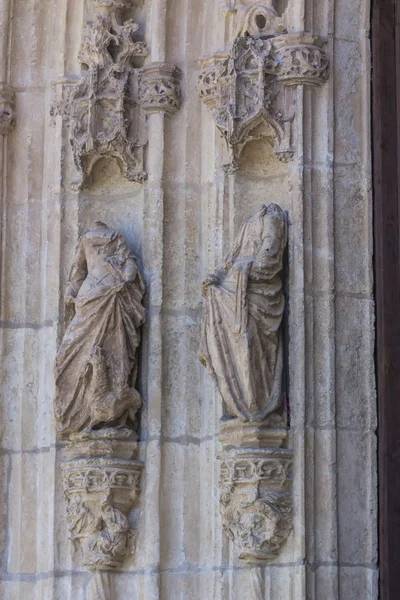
(243,308)
(96,364)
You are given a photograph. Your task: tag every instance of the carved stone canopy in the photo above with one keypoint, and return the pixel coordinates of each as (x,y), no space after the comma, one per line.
(106,109)
(255,493)
(102,111)
(249,88)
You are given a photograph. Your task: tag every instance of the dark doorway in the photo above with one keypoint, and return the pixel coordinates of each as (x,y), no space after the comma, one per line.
(386,173)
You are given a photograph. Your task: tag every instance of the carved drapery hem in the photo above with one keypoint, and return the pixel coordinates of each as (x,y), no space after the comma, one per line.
(7,109)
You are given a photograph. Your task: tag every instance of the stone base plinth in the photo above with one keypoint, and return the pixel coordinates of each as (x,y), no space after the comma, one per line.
(270,433)
(110,442)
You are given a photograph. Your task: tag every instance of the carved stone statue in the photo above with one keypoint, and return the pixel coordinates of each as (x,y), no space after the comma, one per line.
(242,340)
(96,364)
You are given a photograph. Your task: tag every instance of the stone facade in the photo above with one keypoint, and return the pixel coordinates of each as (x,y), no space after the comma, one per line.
(174,122)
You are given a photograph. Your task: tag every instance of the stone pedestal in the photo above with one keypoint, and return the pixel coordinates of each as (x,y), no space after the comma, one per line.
(255,485)
(101,484)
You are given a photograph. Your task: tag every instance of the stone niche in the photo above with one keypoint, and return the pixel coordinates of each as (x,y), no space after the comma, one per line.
(106,108)
(242,347)
(252,90)
(104,113)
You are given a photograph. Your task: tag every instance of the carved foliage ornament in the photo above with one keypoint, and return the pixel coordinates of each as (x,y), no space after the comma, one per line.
(249,89)
(100,493)
(255,501)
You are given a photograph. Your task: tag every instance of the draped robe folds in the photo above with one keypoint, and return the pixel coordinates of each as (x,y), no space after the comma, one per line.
(96,364)
(243,308)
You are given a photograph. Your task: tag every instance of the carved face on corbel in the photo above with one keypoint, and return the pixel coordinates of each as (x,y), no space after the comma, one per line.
(255,504)
(100,494)
(257,525)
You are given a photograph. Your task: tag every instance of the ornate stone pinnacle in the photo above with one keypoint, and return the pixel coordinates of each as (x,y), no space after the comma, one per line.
(159,88)
(250,102)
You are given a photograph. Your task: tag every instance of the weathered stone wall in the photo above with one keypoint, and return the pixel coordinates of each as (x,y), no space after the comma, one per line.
(180,222)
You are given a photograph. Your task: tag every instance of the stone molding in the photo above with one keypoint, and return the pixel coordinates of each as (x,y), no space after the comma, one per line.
(159,88)
(255,492)
(246,88)
(7,109)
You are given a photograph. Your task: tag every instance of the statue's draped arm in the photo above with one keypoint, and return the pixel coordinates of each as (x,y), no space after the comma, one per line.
(78,273)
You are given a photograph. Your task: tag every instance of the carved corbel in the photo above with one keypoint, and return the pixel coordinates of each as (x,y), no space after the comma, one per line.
(100,490)
(255,489)
(249,89)
(159,88)
(7,109)
(96,401)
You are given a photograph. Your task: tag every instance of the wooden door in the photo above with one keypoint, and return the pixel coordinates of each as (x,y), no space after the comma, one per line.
(386,172)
